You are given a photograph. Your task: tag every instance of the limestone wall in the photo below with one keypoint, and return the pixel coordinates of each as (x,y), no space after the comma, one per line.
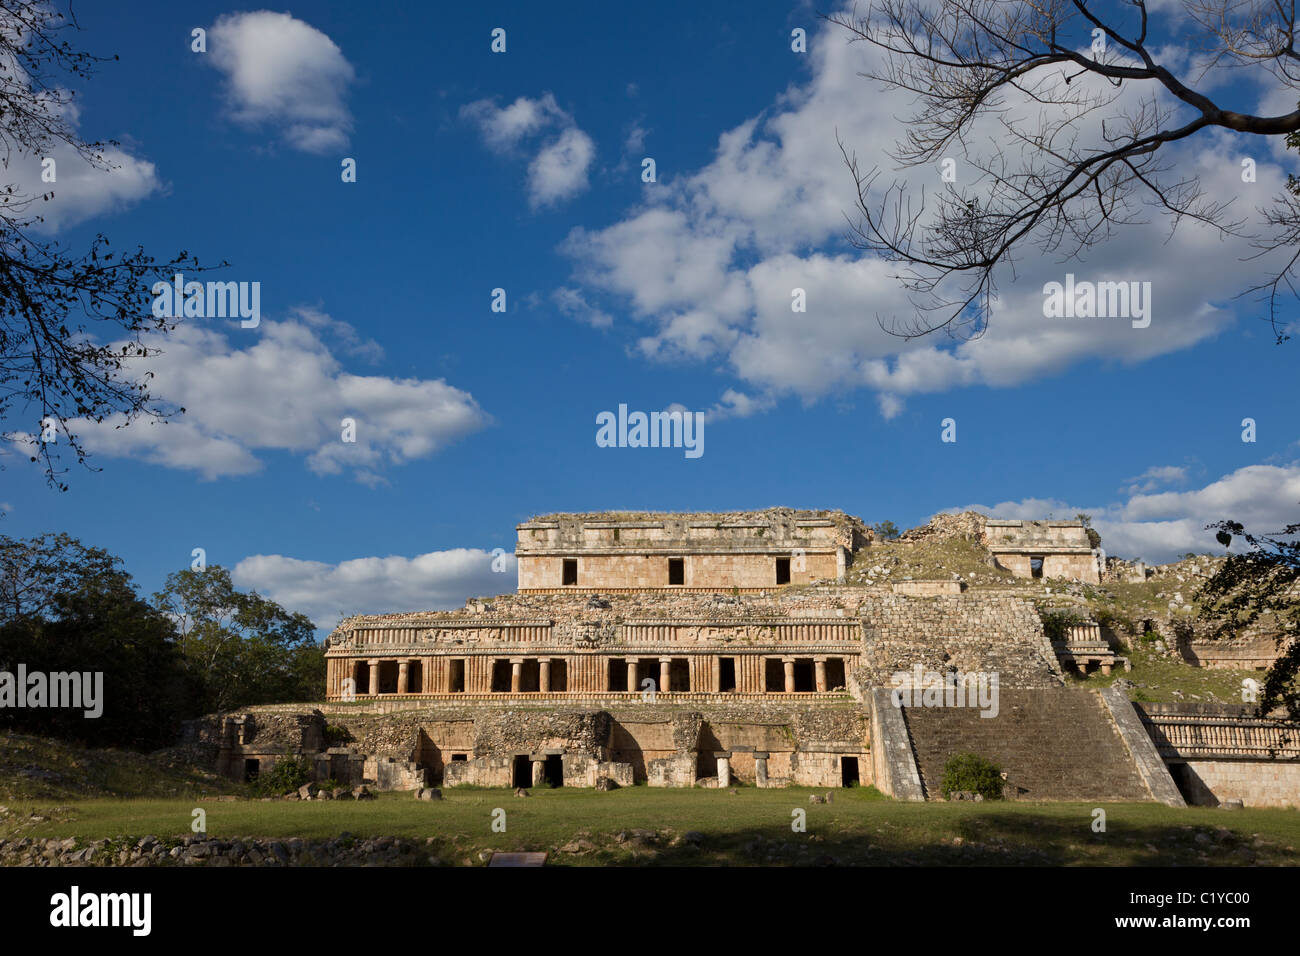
(700,570)
(1254,783)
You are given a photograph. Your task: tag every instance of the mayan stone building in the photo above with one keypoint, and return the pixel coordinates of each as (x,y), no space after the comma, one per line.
(1043,549)
(755,648)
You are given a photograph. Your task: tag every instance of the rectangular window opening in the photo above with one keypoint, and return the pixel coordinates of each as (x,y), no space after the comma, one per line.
(676,570)
(782,570)
(570,572)
(727,674)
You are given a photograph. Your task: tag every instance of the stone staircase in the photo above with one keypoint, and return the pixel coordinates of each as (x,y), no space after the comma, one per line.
(1053,743)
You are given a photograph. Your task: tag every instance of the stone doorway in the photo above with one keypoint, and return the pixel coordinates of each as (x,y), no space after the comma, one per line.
(849,772)
(522,773)
(554,770)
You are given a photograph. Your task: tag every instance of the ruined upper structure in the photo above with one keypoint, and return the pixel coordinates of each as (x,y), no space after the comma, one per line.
(1043,549)
(703,604)
(637,551)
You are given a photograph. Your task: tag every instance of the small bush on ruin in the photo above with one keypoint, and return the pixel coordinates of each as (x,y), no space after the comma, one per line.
(288,774)
(1057,623)
(973,773)
(336,736)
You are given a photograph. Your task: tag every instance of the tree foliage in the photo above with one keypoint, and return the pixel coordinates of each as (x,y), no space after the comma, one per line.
(200,646)
(885,530)
(246,648)
(73,324)
(69,608)
(1260,589)
(1103,93)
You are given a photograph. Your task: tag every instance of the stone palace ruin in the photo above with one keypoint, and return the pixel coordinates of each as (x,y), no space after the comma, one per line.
(729,649)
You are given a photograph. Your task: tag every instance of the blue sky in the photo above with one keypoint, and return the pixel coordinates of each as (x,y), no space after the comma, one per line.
(522,170)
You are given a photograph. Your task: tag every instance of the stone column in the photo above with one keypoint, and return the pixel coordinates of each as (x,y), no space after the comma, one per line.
(788,663)
(820,664)
(516,668)
(374,677)
(664,664)
(760,767)
(631,674)
(717,674)
(403,677)
(539,768)
(724,767)
(544,680)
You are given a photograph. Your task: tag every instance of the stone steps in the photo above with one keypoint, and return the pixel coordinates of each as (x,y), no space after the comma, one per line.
(1053,743)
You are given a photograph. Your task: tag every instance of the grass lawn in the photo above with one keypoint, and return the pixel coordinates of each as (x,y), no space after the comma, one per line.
(749,827)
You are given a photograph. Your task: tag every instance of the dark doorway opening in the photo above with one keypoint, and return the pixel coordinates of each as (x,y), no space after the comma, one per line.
(456,681)
(501,677)
(617,674)
(388,677)
(676,570)
(251,769)
(679,675)
(361,676)
(523,772)
(773,675)
(570,571)
(530,676)
(805,675)
(782,570)
(560,674)
(414,678)
(647,670)
(456,757)
(554,770)
(849,771)
(1036,566)
(727,674)
(835,673)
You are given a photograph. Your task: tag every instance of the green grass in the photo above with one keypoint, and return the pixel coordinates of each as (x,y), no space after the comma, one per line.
(1164,679)
(749,827)
(39,768)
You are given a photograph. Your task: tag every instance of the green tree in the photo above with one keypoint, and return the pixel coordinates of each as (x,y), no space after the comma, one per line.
(886,530)
(1260,588)
(247,649)
(1094,539)
(71,608)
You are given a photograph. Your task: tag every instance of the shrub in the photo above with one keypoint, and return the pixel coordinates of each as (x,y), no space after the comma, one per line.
(973,773)
(288,774)
(1057,622)
(886,530)
(336,736)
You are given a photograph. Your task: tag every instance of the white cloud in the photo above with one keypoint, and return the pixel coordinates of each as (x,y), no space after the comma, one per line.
(281,388)
(439,580)
(344,334)
(559,170)
(635,140)
(1162,527)
(505,128)
(1156,476)
(81,190)
(561,165)
(708,261)
(573,304)
(283,72)
(734,404)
